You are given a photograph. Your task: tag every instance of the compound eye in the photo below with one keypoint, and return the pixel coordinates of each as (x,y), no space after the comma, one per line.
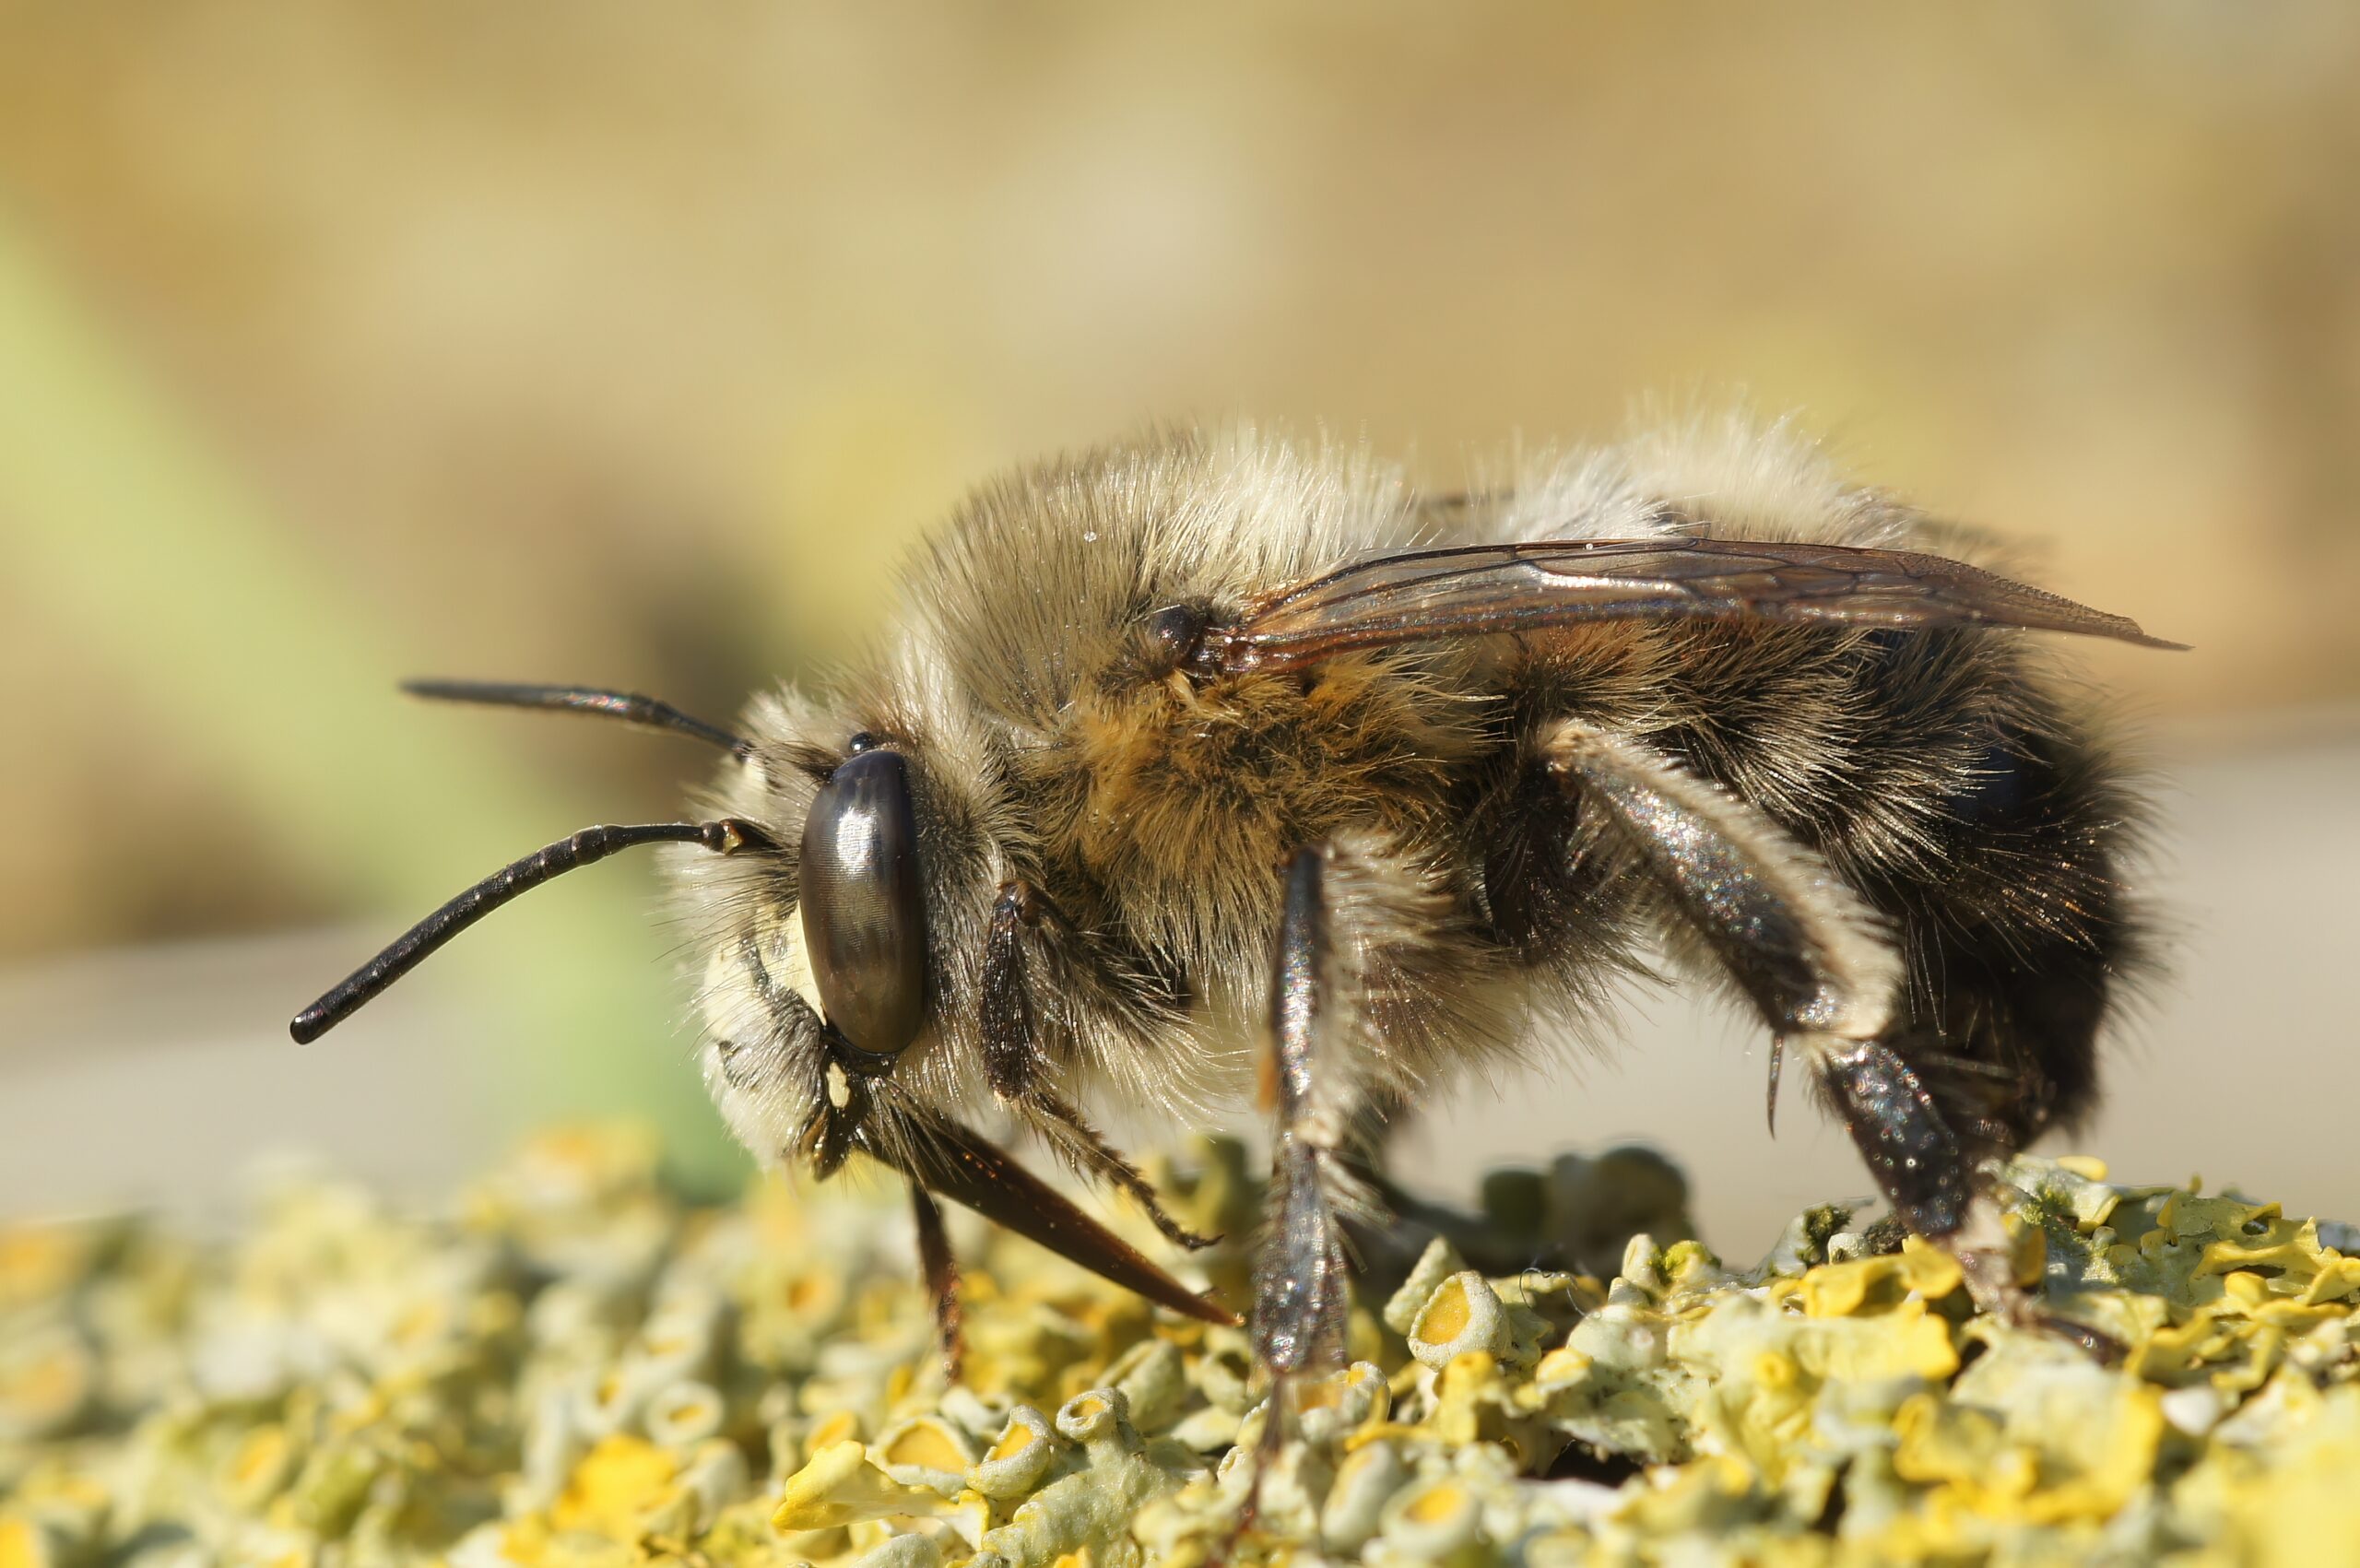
(864,915)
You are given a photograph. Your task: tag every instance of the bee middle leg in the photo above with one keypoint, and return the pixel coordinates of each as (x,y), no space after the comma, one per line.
(1299,1292)
(1299,1273)
(1820,969)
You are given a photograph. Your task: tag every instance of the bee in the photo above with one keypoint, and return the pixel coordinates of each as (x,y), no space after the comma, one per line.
(1209,766)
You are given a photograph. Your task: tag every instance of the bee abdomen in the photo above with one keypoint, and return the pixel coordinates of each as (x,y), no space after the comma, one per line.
(1940,775)
(1991,826)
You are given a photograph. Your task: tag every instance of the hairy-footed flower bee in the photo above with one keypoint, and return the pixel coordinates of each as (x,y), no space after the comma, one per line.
(1210,761)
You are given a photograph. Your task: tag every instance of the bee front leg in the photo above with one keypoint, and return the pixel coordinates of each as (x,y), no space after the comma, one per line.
(1019,1016)
(941,1270)
(1818,965)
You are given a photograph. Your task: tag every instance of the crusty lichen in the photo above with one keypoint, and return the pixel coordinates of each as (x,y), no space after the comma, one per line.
(574,1370)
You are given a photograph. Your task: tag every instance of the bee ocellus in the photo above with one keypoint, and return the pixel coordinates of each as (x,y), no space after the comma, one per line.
(1209,767)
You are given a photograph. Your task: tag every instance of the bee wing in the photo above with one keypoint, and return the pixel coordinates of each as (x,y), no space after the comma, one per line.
(1479,590)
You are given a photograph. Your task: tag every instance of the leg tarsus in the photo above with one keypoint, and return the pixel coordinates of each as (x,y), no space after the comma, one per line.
(1299,1298)
(1925,1171)
(941,1271)
(2097,1344)
(1299,1274)
(1901,1134)
(1986,1255)
(1086,1152)
(1259,1463)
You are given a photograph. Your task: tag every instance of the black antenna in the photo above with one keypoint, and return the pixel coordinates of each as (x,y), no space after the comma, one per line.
(628,706)
(409,949)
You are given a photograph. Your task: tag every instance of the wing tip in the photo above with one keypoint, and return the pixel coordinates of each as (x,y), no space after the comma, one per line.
(2122,629)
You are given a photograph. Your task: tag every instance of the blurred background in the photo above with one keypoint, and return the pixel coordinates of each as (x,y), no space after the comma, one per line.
(632,344)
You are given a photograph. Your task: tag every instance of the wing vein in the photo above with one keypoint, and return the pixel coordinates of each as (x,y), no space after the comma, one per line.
(1452,592)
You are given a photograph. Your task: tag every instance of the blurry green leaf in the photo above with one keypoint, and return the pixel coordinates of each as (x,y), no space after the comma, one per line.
(255,661)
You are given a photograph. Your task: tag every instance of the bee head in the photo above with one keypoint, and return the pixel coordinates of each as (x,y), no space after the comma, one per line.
(801,1063)
(818,961)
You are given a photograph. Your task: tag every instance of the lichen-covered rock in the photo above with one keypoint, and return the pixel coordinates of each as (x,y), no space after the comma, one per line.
(576,1370)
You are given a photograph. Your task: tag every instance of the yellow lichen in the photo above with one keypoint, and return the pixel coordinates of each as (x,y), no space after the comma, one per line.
(614,1485)
(839,1486)
(578,1371)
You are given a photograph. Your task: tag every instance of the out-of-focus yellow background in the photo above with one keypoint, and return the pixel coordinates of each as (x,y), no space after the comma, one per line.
(632,344)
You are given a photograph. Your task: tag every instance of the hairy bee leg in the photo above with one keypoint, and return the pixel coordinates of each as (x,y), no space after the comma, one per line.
(1808,952)
(1821,969)
(1299,1274)
(1815,961)
(1086,1152)
(1299,1271)
(1011,1022)
(941,1270)
(1014,1060)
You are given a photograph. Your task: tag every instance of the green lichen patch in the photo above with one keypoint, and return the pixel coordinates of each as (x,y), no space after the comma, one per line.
(574,1369)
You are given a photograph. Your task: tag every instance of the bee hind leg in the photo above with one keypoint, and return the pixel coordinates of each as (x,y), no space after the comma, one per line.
(1921,1165)
(1822,972)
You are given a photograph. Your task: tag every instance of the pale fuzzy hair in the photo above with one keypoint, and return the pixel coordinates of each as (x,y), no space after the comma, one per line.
(1032,757)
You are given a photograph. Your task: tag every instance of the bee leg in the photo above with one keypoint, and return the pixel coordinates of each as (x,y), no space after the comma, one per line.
(1299,1272)
(941,1270)
(1922,1166)
(1015,1060)
(1815,961)
(1819,967)
(1299,1291)
(1088,1154)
